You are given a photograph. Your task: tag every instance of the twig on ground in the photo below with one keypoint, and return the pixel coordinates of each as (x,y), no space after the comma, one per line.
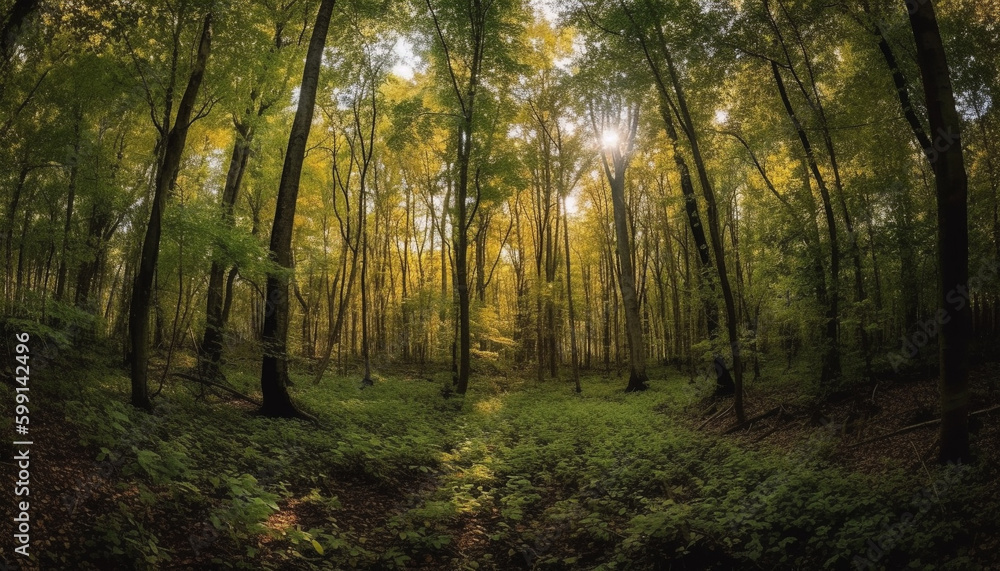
(913,427)
(750,421)
(715,416)
(229,390)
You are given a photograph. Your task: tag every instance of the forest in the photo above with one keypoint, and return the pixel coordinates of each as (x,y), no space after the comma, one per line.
(500,284)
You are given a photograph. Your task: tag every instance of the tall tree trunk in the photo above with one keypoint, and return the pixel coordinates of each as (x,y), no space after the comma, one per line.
(276,401)
(908,265)
(215,322)
(345,278)
(367,379)
(165,177)
(615,173)
(831,354)
(711,212)
(724,383)
(404,267)
(466,96)
(569,302)
(951,184)
(68,225)
(462,267)
(814,101)
(8,240)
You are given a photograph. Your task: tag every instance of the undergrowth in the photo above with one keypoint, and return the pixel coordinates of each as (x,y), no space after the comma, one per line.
(515,475)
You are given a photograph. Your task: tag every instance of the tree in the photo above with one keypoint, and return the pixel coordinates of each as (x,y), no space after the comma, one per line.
(831,354)
(569,301)
(174,139)
(251,110)
(674,103)
(274,368)
(474,36)
(13,21)
(951,186)
(617,126)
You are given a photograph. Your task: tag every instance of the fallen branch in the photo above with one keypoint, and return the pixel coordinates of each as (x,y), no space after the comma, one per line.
(711,410)
(750,421)
(913,427)
(715,416)
(772,430)
(229,390)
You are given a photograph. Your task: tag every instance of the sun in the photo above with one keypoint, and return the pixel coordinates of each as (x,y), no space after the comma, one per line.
(571,205)
(609,139)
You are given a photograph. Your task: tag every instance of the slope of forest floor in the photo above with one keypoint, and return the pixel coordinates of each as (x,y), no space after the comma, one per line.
(516,475)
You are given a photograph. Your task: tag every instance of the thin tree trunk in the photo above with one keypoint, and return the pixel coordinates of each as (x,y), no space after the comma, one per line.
(732,324)
(831,359)
(68,226)
(215,322)
(367,379)
(569,302)
(166,175)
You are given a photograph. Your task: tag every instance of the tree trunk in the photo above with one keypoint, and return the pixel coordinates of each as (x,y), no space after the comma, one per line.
(951,184)
(367,379)
(711,212)
(215,314)
(13,22)
(68,225)
(462,262)
(276,401)
(831,355)
(575,364)
(165,177)
(615,173)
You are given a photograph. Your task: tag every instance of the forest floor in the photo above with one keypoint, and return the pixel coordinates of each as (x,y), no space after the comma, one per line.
(517,475)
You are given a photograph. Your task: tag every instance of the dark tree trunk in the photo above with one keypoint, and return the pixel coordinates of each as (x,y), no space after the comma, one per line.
(13,22)
(711,212)
(813,99)
(276,401)
(218,285)
(68,225)
(951,183)
(365,355)
(908,265)
(724,382)
(165,177)
(466,96)
(9,234)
